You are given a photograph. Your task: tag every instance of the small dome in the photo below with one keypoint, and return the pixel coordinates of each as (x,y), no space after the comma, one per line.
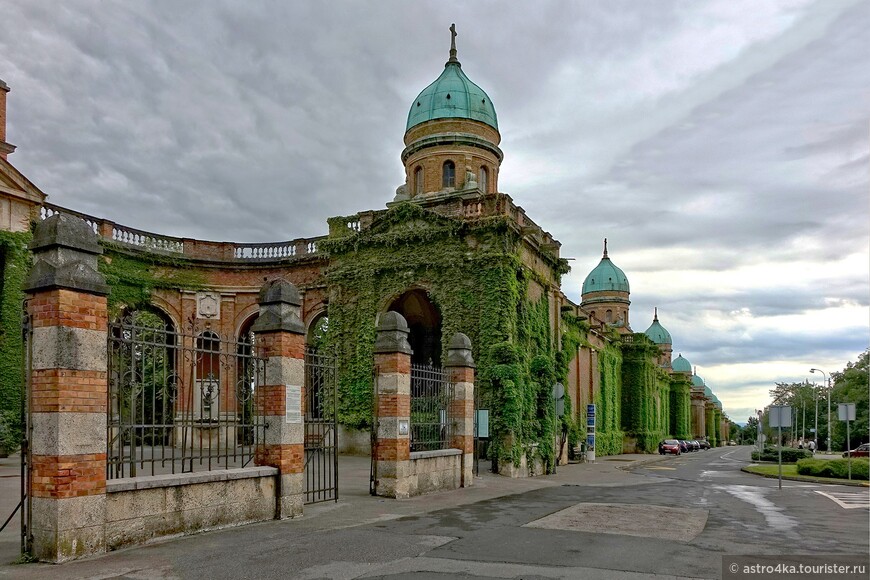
(451,96)
(681,365)
(656,332)
(605,277)
(697,381)
(708,392)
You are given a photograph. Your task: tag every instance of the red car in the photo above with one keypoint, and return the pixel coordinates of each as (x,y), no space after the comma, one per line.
(671,446)
(861,451)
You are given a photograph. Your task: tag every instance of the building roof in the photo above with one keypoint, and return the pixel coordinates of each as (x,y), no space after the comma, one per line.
(656,332)
(606,276)
(698,381)
(452,95)
(681,365)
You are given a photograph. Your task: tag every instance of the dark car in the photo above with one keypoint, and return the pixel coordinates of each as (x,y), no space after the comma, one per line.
(695,445)
(703,443)
(684,446)
(670,446)
(860,451)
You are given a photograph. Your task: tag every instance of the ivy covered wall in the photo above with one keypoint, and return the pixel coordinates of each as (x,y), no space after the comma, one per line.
(681,407)
(15,263)
(608,401)
(133,278)
(644,387)
(710,425)
(472,272)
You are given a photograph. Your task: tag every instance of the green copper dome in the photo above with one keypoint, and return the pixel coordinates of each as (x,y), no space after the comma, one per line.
(452,96)
(656,332)
(698,381)
(708,392)
(681,365)
(605,277)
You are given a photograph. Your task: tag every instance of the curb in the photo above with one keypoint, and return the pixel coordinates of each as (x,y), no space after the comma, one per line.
(810,479)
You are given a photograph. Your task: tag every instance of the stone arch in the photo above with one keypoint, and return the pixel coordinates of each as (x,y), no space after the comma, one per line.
(424,321)
(245,318)
(318,324)
(168,309)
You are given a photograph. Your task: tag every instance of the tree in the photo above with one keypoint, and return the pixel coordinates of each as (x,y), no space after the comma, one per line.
(852,385)
(750,431)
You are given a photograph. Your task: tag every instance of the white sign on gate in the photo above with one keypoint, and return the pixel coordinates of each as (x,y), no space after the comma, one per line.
(293,404)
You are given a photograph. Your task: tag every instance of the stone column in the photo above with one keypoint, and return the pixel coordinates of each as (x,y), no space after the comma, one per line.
(392,450)
(68,390)
(280,339)
(460,372)
(699,416)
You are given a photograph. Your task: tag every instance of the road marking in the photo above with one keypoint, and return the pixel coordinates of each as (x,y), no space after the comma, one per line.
(725,456)
(668,468)
(848,500)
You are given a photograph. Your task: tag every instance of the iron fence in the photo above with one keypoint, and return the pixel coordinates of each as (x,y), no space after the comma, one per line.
(432,421)
(321,457)
(179,402)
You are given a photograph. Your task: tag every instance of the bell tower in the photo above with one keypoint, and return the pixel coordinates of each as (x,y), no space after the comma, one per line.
(451,138)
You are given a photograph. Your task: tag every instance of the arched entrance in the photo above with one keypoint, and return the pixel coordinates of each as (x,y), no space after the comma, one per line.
(424,322)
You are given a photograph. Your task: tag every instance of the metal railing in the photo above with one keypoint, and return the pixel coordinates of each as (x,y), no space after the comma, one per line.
(321,450)
(432,421)
(179,402)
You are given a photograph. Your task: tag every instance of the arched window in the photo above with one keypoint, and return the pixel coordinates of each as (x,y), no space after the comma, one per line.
(418,180)
(608,316)
(448,174)
(483,179)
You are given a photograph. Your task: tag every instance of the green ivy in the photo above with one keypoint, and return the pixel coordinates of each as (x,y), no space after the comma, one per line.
(17,260)
(473,273)
(681,406)
(609,434)
(132,278)
(645,393)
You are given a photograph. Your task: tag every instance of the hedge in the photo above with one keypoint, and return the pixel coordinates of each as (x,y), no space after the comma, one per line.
(789,455)
(838,468)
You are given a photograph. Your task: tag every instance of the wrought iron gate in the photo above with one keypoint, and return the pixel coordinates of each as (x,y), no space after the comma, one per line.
(321,435)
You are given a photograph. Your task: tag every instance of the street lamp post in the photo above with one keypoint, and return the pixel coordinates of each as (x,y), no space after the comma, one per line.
(825,375)
(816,432)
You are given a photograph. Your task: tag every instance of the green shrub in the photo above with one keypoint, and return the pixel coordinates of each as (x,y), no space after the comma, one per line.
(10,432)
(836,468)
(789,455)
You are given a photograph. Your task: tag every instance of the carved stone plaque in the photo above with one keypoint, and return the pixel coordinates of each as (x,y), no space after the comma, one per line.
(208,305)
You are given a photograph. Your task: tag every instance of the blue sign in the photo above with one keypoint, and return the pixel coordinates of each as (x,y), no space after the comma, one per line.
(482,424)
(590,410)
(590,441)
(590,421)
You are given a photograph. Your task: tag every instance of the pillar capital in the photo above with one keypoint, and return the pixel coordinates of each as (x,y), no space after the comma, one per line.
(65,251)
(280,308)
(459,352)
(392,334)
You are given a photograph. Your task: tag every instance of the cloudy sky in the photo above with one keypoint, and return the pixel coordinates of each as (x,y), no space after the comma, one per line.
(721,147)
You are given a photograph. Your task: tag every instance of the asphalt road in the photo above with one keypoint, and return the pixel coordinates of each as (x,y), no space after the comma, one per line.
(624,528)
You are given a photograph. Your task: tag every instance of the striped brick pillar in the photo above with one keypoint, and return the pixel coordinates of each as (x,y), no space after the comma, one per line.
(280,338)
(460,372)
(392,451)
(68,391)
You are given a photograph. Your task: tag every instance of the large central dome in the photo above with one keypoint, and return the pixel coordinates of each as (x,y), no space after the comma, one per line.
(452,95)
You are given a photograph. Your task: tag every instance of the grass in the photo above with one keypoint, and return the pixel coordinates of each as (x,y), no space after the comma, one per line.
(790,472)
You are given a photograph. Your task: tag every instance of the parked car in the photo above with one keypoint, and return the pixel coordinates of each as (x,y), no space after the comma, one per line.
(860,451)
(684,447)
(695,445)
(669,446)
(703,444)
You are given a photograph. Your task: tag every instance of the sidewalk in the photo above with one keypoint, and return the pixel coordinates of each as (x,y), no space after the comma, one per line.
(355,506)
(10,494)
